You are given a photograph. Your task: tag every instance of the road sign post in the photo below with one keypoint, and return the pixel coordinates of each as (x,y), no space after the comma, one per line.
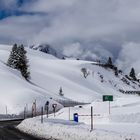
(108,98)
(109,107)
(54,108)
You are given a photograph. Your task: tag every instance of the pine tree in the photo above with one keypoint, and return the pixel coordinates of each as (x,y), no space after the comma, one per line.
(109,62)
(22,64)
(13,57)
(132,74)
(18,60)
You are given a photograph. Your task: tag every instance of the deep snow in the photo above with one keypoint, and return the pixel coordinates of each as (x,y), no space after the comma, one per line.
(48,74)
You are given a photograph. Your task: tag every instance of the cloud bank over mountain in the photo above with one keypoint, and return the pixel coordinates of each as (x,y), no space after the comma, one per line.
(87,28)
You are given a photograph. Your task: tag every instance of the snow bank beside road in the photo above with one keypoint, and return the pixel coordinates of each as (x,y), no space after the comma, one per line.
(66,130)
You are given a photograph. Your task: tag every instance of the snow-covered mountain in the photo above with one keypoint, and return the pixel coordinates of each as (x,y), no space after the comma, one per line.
(46,48)
(49,73)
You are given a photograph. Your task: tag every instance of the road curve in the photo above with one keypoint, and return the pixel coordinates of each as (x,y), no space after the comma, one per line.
(9,132)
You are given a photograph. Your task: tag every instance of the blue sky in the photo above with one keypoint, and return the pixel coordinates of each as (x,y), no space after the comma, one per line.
(13,10)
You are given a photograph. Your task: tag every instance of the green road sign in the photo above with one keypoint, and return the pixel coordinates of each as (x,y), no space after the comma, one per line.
(107,98)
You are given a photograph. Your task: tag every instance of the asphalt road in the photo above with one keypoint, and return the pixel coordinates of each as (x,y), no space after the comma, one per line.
(9,132)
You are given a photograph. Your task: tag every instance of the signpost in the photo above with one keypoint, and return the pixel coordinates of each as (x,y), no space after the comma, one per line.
(54,108)
(108,98)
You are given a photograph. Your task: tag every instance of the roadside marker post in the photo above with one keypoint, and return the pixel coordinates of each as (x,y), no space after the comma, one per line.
(91,118)
(6,109)
(41,114)
(69,113)
(32,111)
(35,107)
(24,112)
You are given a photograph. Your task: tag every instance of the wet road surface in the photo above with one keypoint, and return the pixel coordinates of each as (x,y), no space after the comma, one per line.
(9,132)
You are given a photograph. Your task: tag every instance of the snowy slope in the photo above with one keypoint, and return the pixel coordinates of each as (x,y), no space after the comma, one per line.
(51,73)
(48,74)
(16,93)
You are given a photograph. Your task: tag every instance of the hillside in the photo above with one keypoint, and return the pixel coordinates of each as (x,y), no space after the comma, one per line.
(48,74)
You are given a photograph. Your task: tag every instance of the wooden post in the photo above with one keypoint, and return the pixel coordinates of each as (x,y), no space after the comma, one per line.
(91,118)
(32,111)
(47,111)
(54,111)
(41,114)
(35,108)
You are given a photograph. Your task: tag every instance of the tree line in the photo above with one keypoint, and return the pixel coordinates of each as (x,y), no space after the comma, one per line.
(110,64)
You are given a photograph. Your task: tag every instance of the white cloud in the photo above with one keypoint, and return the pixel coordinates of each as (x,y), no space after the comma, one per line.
(99,27)
(8,4)
(73,50)
(47,5)
(129,57)
(108,20)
